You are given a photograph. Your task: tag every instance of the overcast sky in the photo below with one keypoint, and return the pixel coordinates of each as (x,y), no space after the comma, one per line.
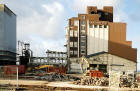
(42,22)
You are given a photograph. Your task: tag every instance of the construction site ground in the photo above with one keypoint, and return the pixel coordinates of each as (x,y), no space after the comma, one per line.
(35,85)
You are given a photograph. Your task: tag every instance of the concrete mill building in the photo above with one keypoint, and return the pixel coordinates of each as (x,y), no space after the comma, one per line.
(95,36)
(7,36)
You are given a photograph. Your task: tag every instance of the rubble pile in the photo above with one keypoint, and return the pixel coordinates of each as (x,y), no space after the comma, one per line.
(138,79)
(127,81)
(93,81)
(57,77)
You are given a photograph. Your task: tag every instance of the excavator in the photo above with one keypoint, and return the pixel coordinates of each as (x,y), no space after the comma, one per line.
(85,66)
(52,68)
(43,66)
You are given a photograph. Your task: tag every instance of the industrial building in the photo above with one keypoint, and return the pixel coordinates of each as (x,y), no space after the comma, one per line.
(103,42)
(7,36)
(96,48)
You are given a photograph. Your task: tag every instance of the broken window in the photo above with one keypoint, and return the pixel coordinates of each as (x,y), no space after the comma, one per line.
(75,22)
(75,44)
(100,26)
(83,17)
(82,27)
(71,33)
(103,67)
(95,26)
(90,26)
(71,52)
(105,26)
(82,22)
(71,44)
(92,12)
(75,52)
(75,34)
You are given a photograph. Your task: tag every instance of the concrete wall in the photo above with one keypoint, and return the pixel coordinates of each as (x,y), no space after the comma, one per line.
(97,39)
(129,65)
(114,62)
(75,66)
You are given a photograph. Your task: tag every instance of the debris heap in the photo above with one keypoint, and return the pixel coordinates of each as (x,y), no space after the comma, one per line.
(127,81)
(57,77)
(93,81)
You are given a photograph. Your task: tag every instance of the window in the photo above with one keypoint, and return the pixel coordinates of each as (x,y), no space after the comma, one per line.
(100,14)
(71,44)
(90,26)
(105,26)
(82,27)
(83,34)
(75,52)
(71,52)
(83,17)
(82,22)
(83,37)
(75,34)
(83,31)
(106,13)
(75,22)
(82,51)
(83,43)
(82,47)
(75,44)
(100,26)
(71,33)
(92,12)
(95,26)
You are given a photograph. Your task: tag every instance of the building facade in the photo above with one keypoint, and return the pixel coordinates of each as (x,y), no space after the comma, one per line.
(95,32)
(7,36)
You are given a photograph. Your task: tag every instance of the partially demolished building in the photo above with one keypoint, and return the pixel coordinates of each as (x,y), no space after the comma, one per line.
(102,41)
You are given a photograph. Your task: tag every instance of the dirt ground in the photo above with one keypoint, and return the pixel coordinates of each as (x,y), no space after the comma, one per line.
(34,85)
(23,82)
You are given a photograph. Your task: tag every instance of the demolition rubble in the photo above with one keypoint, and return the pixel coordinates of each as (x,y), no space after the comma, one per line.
(57,77)
(93,81)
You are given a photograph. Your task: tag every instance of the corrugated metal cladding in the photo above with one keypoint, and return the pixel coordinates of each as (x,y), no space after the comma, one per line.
(97,39)
(118,44)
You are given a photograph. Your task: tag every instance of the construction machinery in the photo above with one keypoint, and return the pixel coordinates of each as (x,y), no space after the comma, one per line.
(43,66)
(48,68)
(85,66)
